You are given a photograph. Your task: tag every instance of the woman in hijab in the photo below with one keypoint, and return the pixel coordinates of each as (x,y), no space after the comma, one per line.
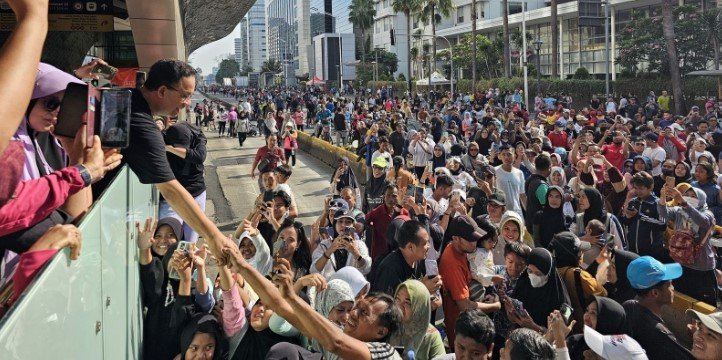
(202,338)
(540,291)
(439,157)
(614,275)
(334,303)
(416,334)
(374,192)
(682,173)
(354,278)
(344,176)
(604,315)
(254,249)
(256,336)
(692,219)
(550,219)
(511,229)
(485,141)
(591,205)
(558,178)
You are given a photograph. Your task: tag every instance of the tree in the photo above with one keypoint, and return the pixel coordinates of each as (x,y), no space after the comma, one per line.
(272,66)
(507,53)
(432,11)
(246,69)
(669,38)
(228,68)
(388,63)
(555,39)
(408,7)
(490,54)
(361,14)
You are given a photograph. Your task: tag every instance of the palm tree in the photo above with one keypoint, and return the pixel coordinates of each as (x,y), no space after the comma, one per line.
(507,55)
(555,39)
(414,54)
(272,66)
(673,59)
(408,7)
(433,10)
(361,14)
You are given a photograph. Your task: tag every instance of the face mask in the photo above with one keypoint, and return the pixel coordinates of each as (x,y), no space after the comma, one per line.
(693,202)
(668,172)
(538,281)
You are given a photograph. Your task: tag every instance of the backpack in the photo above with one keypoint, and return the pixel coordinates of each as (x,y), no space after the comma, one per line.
(682,246)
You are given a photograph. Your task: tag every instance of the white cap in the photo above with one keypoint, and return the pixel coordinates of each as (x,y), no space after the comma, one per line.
(614,347)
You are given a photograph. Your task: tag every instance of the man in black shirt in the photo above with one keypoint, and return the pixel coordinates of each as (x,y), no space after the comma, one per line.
(339,125)
(167,90)
(398,139)
(652,281)
(406,262)
(186,147)
(536,187)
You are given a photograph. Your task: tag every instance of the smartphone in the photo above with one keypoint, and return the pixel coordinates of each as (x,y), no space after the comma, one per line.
(106,71)
(669,181)
(455,196)
(610,241)
(419,195)
(349,231)
(630,207)
(518,306)
(183,247)
(77,109)
(566,312)
(115,118)
(432,268)
(597,161)
(410,190)
(430,166)
(278,247)
(267,196)
(323,232)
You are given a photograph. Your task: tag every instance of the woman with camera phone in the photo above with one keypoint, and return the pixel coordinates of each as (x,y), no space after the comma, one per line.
(343,248)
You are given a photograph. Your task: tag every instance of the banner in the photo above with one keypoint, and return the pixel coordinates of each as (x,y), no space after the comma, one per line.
(125,77)
(65,15)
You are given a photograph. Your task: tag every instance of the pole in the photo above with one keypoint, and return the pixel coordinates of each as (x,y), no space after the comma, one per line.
(376,66)
(340,64)
(606,46)
(451,65)
(523,49)
(538,71)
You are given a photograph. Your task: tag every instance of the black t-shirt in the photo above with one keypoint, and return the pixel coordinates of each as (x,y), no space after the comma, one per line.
(339,122)
(651,333)
(393,270)
(146,153)
(188,171)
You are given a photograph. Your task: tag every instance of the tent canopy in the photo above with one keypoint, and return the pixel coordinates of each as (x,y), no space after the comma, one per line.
(315,81)
(436,79)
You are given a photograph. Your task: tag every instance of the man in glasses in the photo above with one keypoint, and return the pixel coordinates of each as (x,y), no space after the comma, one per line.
(167,90)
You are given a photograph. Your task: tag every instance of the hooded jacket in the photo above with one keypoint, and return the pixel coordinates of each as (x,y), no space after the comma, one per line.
(524,236)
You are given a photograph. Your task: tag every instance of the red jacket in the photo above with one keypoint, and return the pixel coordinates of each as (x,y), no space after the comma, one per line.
(559,140)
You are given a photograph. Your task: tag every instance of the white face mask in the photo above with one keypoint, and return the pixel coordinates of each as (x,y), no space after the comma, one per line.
(538,281)
(693,202)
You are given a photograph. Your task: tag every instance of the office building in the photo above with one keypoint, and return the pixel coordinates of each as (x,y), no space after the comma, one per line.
(334,57)
(251,46)
(289,36)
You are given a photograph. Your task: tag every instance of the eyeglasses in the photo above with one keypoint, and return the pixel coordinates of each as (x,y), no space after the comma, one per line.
(377,167)
(184,96)
(51,104)
(494,205)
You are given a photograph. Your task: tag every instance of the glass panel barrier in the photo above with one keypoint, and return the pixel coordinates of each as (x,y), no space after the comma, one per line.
(89,308)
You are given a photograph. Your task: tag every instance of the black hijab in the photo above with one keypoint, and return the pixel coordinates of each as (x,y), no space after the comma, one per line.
(687,178)
(207,324)
(348,179)
(540,302)
(596,207)
(611,320)
(549,221)
(621,291)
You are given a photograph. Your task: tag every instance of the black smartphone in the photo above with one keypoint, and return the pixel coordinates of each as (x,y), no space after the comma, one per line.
(349,231)
(267,196)
(410,190)
(566,312)
(115,118)
(419,195)
(77,108)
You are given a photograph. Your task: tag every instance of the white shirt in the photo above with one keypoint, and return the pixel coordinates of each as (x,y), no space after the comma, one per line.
(658,154)
(512,184)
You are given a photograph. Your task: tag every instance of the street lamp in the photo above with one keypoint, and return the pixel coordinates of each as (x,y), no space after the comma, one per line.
(605,3)
(451,60)
(338,71)
(537,46)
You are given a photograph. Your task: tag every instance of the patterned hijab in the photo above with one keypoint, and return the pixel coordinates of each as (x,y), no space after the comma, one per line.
(411,334)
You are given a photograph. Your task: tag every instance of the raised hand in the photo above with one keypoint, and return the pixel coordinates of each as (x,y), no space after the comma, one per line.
(145,235)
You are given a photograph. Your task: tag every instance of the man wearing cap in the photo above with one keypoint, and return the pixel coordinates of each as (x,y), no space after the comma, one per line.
(454,269)
(383,151)
(652,281)
(558,136)
(344,250)
(706,335)
(654,152)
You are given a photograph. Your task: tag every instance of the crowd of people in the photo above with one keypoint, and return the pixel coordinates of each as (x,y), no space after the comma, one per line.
(481,230)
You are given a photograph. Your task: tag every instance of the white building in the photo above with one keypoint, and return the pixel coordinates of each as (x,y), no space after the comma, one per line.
(251,48)
(385,20)
(289,36)
(333,58)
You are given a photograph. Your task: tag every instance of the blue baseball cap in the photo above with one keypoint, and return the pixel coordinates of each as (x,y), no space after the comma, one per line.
(646,271)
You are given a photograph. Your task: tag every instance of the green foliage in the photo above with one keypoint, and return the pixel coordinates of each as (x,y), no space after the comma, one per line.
(582,74)
(388,62)
(272,66)
(401,77)
(642,41)
(397,86)
(361,14)
(489,55)
(228,68)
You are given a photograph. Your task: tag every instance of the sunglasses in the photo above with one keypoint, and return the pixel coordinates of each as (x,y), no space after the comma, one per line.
(51,104)
(377,167)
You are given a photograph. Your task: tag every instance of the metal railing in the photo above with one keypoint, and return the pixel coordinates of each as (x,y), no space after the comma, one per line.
(89,308)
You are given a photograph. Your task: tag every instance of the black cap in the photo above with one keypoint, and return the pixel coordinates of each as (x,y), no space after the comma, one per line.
(651,136)
(566,241)
(488,169)
(465,227)
(498,197)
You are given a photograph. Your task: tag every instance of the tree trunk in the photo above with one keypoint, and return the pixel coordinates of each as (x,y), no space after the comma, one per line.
(668,31)
(363,46)
(408,51)
(555,40)
(507,55)
(473,46)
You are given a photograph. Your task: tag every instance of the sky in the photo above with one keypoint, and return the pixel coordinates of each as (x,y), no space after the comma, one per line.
(210,55)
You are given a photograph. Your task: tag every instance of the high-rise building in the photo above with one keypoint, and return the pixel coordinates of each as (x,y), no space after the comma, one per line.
(289,36)
(385,20)
(251,46)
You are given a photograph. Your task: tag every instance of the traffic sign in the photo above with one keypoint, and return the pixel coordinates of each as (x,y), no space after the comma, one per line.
(69,15)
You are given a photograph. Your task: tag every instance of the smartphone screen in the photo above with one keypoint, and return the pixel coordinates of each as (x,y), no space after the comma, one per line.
(410,190)
(115,118)
(183,247)
(106,71)
(419,195)
(278,246)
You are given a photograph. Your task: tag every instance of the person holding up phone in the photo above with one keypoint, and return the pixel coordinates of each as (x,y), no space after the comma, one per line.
(345,249)
(645,225)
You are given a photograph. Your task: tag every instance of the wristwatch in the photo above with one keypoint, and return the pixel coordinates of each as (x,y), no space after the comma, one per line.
(85,174)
